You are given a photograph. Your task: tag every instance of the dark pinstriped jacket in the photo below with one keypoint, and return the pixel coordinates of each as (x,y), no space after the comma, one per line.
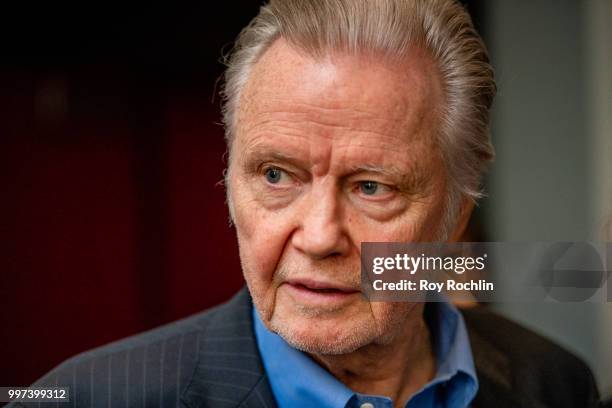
(211,360)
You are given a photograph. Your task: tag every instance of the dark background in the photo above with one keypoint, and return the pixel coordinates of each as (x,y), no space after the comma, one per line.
(112,217)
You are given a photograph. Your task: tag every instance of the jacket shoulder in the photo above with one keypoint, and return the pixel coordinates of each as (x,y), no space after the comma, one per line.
(527,365)
(149,368)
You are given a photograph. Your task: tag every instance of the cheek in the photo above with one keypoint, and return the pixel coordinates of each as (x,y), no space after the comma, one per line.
(420,222)
(262,235)
(403,228)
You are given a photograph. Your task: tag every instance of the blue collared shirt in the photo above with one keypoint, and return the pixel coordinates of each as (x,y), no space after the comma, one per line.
(297,381)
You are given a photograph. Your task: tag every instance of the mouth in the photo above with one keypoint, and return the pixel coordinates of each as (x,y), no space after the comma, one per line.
(322,286)
(324,290)
(314,292)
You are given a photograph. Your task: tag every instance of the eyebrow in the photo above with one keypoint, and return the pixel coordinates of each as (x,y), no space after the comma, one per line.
(390,171)
(261,153)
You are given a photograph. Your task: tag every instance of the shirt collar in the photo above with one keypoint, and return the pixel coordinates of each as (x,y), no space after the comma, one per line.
(454,360)
(315,386)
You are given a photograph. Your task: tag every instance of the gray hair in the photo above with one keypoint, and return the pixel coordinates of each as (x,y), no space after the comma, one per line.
(390,28)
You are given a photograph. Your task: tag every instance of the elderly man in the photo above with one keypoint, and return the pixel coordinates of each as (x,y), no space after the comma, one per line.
(347,121)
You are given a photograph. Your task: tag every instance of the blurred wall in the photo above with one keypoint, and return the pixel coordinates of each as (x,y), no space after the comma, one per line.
(551,179)
(112,218)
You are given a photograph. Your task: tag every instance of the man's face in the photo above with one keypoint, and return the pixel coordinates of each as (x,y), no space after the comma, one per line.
(329,153)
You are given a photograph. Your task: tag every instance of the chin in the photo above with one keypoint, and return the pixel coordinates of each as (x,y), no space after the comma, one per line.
(325,336)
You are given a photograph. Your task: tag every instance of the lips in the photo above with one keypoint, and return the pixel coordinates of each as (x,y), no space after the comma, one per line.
(323,287)
(319,294)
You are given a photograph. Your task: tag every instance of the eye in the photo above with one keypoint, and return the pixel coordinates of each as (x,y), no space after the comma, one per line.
(368,187)
(375,189)
(273,175)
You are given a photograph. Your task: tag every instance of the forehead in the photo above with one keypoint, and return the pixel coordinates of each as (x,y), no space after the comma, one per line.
(365,90)
(340,112)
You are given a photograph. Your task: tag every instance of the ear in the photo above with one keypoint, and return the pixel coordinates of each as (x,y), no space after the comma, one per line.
(462,221)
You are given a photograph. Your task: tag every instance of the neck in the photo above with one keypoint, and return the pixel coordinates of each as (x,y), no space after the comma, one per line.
(396,369)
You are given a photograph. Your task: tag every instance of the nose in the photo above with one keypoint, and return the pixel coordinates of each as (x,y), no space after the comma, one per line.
(321,231)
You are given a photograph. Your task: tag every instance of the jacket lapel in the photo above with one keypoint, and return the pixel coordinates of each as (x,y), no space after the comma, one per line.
(229,372)
(493,371)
